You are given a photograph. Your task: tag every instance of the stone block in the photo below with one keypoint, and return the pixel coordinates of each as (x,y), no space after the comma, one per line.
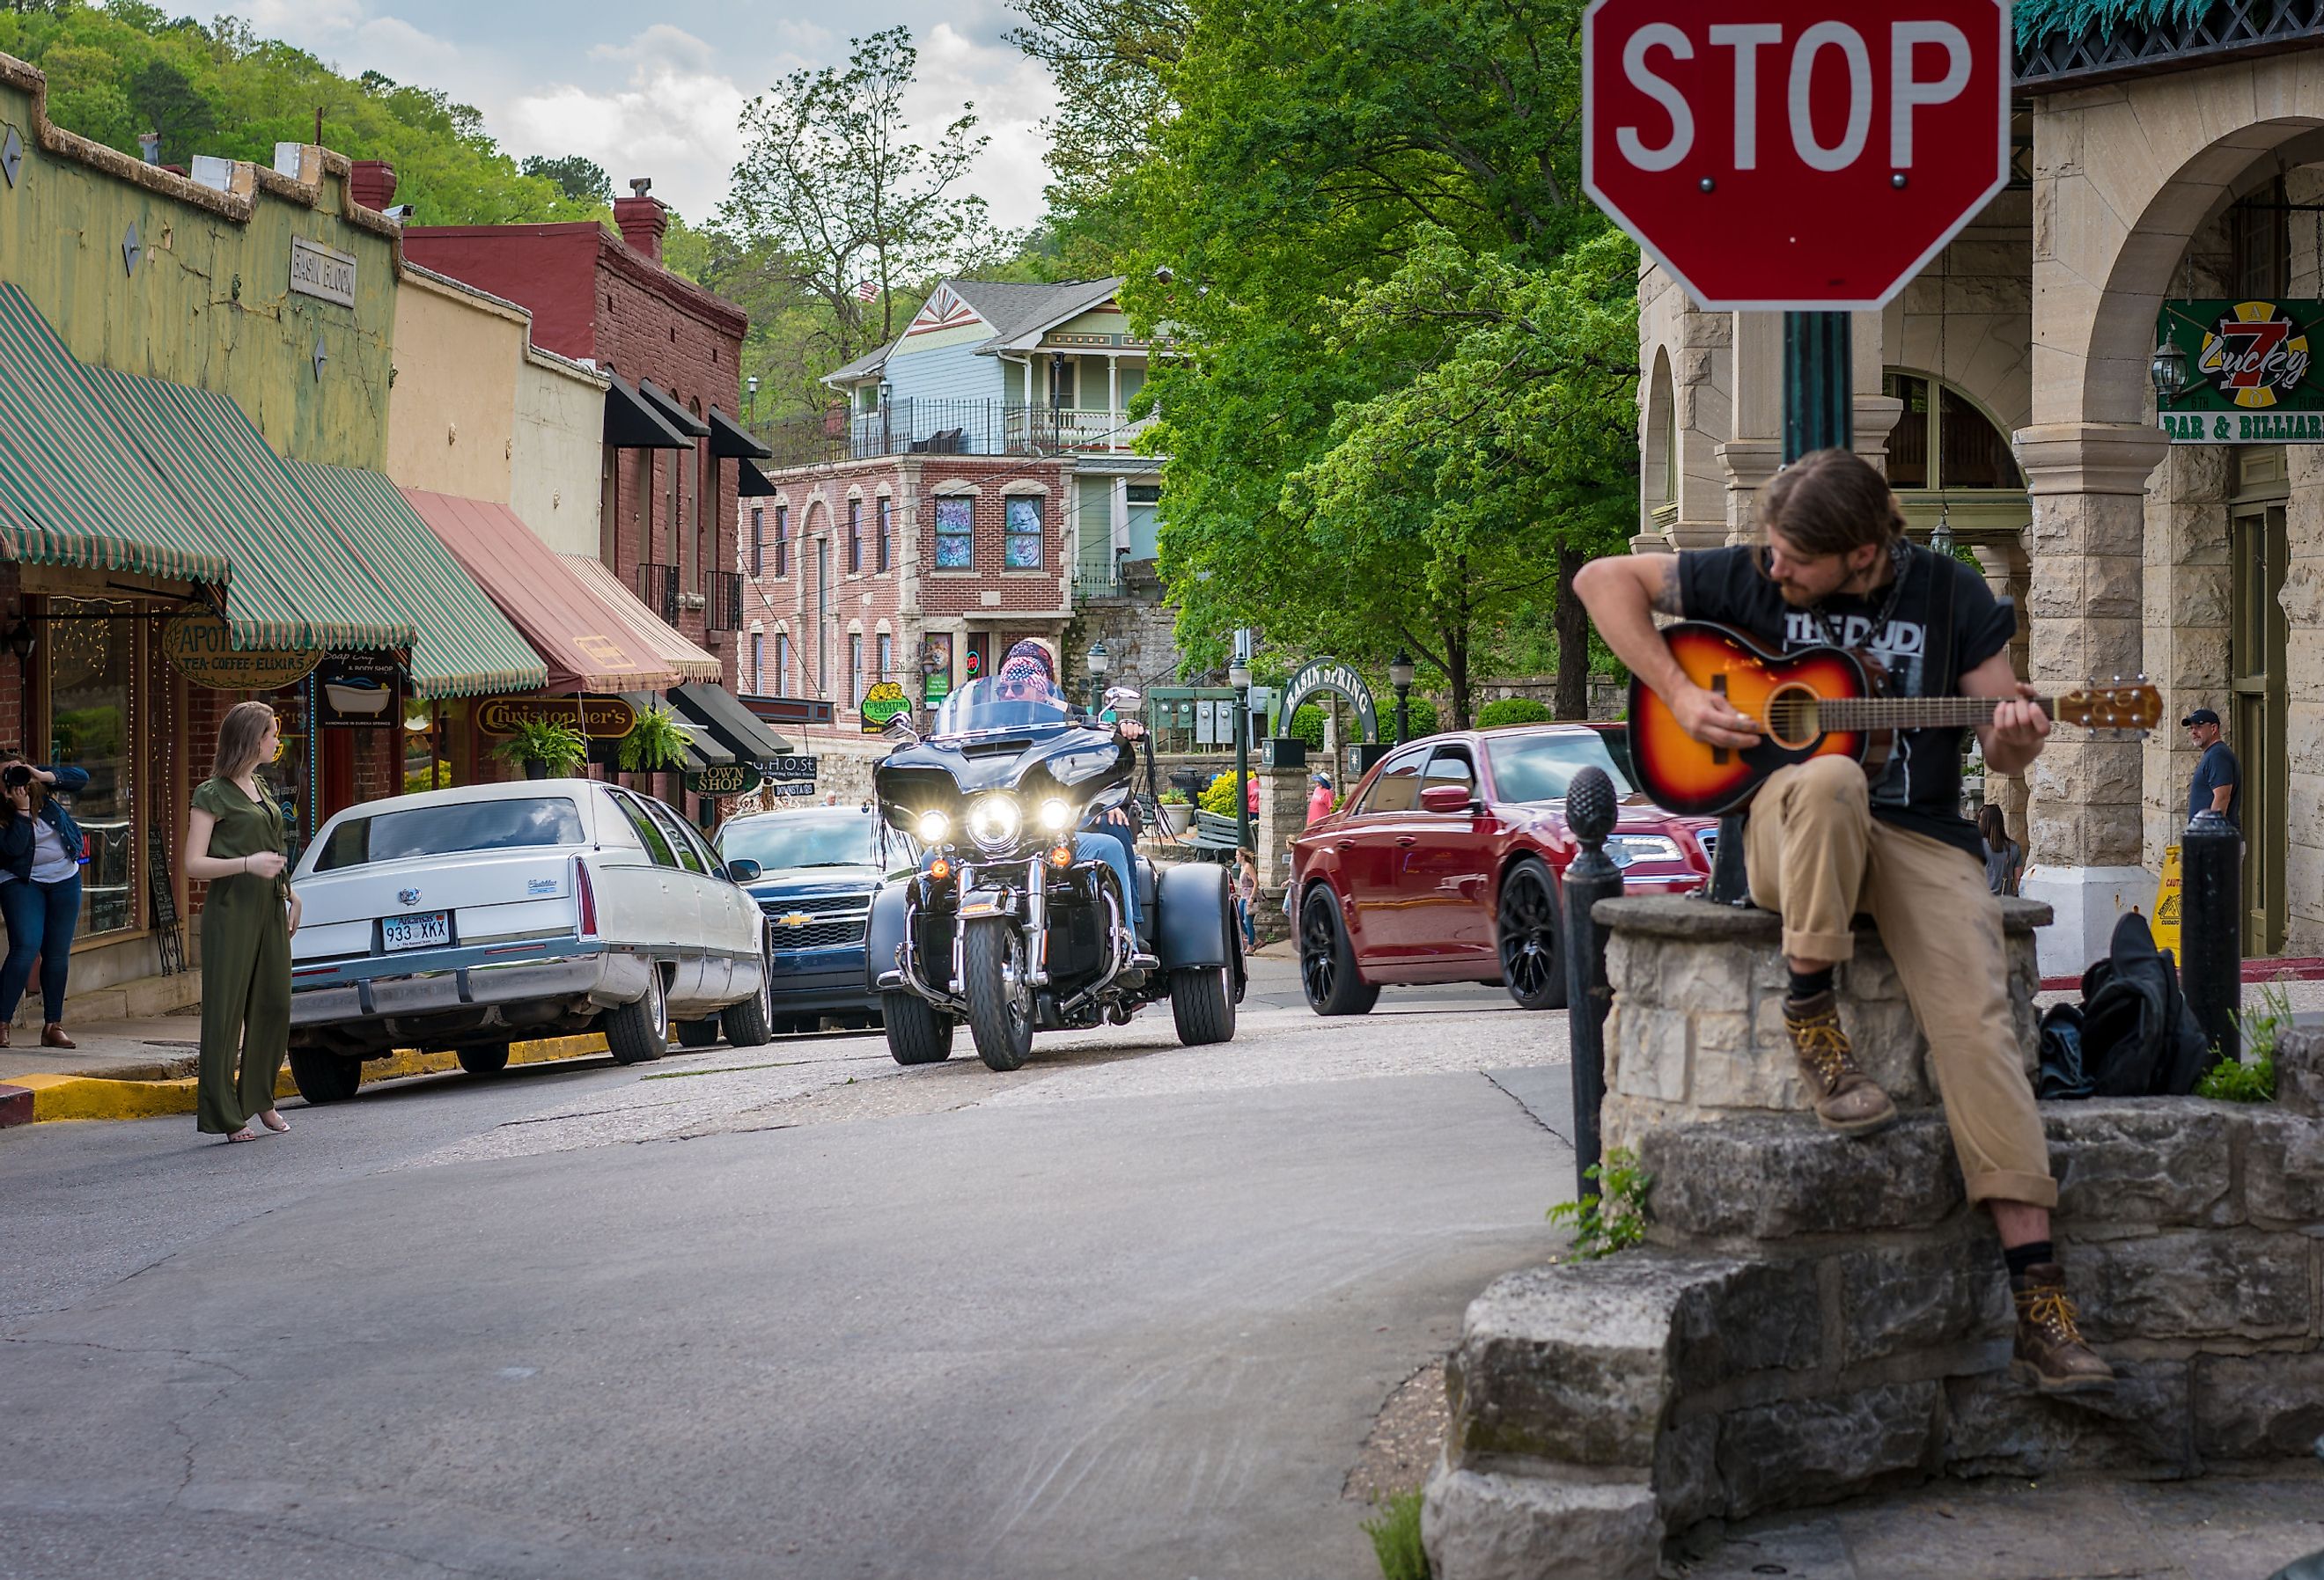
(1633,968)
(1686,1473)
(1918,1297)
(1653,1060)
(1998,1426)
(2300,1072)
(1818,1450)
(1478,1526)
(2154,1162)
(2258,1406)
(1571,1362)
(1759,1317)
(1773,1177)
(2283,1166)
(2192,1284)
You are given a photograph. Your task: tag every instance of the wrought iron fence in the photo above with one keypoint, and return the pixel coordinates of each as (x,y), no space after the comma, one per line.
(954,428)
(1097,572)
(725,611)
(657,590)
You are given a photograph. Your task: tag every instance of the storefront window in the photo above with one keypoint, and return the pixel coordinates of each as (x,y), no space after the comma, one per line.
(91,661)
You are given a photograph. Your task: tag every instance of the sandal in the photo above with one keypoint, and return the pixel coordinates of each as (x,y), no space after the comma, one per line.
(274,1121)
(244,1134)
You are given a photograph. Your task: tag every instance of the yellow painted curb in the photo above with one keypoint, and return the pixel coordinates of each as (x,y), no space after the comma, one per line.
(95,1097)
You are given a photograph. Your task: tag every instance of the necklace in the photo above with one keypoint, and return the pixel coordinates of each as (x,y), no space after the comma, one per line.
(1900,560)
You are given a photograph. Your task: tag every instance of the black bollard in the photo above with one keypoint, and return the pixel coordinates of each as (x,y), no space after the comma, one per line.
(1729,885)
(1590,877)
(2210,926)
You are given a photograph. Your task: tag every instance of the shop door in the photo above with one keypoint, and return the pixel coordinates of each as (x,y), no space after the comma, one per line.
(2255,729)
(338,772)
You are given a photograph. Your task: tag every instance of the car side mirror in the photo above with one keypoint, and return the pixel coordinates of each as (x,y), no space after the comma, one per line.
(1120,697)
(743,869)
(1444,797)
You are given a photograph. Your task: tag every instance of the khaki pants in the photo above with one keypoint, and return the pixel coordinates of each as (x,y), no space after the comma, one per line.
(1816,854)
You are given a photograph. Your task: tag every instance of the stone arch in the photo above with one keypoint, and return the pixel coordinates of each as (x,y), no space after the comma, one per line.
(1659,466)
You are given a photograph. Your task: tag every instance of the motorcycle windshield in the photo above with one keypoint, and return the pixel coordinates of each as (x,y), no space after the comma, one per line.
(995,707)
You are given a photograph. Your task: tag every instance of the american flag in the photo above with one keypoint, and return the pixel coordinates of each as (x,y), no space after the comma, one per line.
(867,291)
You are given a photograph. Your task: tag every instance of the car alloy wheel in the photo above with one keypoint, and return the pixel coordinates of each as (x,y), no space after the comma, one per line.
(1532,964)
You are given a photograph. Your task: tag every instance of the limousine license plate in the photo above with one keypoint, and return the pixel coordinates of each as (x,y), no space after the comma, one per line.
(429,929)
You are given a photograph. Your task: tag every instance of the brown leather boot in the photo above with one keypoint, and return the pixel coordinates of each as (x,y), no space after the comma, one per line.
(1847,1100)
(2049,1352)
(53,1035)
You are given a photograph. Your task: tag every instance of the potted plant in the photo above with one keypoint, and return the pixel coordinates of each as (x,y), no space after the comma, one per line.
(546,748)
(1177,811)
(655,743)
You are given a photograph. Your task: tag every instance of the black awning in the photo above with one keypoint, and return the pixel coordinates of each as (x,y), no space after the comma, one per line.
(750,482)
(728,721)
(677,416)
(729,441)
(633,423)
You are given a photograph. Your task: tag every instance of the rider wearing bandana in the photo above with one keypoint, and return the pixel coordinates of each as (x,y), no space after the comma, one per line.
(1027,674)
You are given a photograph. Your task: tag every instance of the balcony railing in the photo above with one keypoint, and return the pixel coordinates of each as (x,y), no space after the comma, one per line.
(725,609)
(2107,47)
(657,590)
(955,428)
(1097,572)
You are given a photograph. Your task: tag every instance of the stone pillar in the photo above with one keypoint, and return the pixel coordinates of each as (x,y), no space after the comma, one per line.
(2188,589)
(2303,607)
(2088,483)
(2005,566)
(1282,814)
(1757,450)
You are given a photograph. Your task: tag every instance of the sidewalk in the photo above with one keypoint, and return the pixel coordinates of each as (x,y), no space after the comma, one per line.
(154,1048)
(2218,1528)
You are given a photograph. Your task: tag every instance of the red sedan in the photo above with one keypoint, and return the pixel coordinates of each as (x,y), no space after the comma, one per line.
(1444,865)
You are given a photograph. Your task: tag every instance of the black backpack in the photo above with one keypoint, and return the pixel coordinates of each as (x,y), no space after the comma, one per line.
(2132,1035)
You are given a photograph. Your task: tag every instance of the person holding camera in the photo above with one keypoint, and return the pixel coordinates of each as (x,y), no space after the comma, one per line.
(40,849)
(235,844)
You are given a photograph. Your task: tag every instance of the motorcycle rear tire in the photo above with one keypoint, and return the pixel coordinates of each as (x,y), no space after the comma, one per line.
(1203,1003)
(1001,1023)
(917,1031)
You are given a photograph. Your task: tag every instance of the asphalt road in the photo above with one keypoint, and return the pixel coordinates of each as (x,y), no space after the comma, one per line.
(1127,1312)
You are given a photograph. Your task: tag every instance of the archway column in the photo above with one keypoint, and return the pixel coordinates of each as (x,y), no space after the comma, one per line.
(2087,562)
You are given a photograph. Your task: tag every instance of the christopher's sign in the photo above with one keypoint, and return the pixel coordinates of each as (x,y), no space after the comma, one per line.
(600,718)
(2249,372)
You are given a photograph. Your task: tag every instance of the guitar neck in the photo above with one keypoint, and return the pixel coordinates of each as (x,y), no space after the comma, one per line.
(1913,713)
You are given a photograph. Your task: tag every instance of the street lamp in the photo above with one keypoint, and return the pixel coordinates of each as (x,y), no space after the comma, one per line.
(1239,677)
(751,409)
(1400,675)
(887,417)
(2169,368)
(1097,658)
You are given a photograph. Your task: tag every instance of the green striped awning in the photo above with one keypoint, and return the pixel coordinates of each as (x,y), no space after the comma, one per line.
(465,645)
(294,584)
(73,491)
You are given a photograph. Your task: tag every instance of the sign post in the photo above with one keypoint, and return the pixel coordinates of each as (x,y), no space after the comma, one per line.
(1806,157)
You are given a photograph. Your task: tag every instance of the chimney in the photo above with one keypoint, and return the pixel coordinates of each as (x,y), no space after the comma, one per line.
(371,183)
(641,218)
(149,143)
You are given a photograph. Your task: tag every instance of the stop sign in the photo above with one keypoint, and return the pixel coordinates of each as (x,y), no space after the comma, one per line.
(1809,154)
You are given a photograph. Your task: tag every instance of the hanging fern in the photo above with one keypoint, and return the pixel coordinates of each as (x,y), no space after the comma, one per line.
(2037,18)
(657,741)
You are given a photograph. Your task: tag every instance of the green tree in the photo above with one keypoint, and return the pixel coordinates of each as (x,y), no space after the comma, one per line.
(583,180)
(169,102)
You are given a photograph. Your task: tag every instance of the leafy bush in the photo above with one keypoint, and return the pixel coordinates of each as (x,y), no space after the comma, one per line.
(1220,796)
(2252,1078)
(1395,1531)
(1422,714)
(1616,1218)
(1512,710)
(1308,724)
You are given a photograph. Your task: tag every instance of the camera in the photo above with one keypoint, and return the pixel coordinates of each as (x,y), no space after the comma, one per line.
(16,776)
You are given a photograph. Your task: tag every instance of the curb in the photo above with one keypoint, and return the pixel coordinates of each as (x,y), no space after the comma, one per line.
(39,1099)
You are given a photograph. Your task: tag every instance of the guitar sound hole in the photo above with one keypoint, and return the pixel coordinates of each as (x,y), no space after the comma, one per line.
(1791,718)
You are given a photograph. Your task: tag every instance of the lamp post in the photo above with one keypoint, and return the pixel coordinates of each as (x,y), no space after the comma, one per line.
(750,405)
(1097,660)
(1239,677)
(887,417)
(1399,676)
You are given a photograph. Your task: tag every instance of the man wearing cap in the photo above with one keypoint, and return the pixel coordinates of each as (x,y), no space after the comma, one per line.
(2219,784)
(1319,799)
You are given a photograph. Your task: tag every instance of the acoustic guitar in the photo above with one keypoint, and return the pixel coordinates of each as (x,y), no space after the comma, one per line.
(1816,702)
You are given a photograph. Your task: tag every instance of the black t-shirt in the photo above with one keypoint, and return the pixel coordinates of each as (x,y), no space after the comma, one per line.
(1920,788)
(2217,767)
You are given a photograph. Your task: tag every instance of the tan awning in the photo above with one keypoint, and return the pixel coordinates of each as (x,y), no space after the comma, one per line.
(669,644)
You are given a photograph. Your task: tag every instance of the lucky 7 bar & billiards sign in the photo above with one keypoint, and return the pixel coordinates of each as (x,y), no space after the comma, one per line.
(2245,370)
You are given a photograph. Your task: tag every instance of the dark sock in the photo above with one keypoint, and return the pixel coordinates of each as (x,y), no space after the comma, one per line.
(2021,1257)
(1806,985)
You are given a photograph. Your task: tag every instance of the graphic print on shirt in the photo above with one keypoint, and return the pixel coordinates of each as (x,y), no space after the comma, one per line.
(1899,649)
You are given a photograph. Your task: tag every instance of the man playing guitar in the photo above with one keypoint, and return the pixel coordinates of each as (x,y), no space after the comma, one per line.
(1825,841)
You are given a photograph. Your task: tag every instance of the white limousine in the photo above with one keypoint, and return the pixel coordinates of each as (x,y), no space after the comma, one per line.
(464,919)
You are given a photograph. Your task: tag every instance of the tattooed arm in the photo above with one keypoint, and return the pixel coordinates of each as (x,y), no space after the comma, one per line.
(1624,593)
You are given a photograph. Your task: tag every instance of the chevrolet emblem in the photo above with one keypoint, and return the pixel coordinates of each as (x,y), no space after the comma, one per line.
(796,919)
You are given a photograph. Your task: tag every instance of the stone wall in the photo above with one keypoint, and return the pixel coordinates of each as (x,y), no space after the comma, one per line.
(1816,1317)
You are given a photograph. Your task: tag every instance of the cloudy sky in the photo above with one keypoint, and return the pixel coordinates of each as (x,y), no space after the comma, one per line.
(655,91)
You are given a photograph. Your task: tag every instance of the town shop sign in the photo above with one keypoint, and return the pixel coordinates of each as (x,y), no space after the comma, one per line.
(2238,372)
(1327,674)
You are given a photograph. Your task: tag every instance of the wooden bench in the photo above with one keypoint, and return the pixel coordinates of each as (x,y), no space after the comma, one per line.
(1215,836)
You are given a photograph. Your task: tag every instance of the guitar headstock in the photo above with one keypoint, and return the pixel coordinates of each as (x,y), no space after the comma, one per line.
(2114,705)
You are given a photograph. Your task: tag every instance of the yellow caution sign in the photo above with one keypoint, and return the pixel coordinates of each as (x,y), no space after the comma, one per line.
(2166,904)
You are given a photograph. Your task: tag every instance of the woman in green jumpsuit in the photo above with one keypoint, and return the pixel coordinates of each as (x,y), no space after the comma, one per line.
(235,844)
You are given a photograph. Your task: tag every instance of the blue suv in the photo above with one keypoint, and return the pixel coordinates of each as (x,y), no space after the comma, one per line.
(818,869)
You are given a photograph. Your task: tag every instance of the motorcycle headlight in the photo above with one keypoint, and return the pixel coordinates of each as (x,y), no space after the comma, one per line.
(933,827)
(995,821)
(1056,816)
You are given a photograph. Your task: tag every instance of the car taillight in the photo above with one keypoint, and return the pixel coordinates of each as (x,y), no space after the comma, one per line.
(584,899)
